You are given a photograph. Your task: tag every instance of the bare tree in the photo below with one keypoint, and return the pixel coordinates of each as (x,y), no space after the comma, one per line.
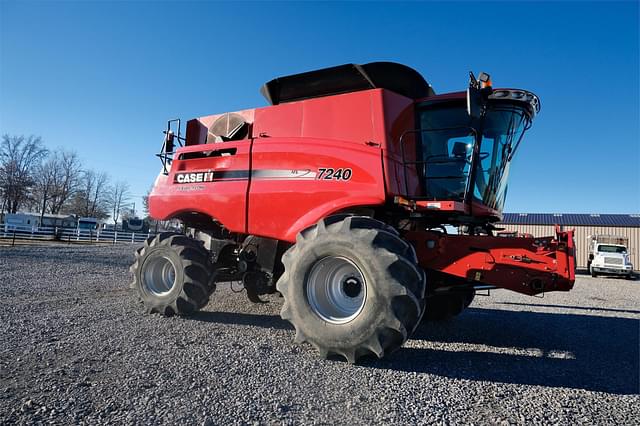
(128,211)
(44,185)
(145,202)
(92,195)
(98,197)
(118,199)
(18,157)
(82,200)
(66,179)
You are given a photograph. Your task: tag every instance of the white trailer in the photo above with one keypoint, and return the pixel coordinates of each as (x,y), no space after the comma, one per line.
(21,222)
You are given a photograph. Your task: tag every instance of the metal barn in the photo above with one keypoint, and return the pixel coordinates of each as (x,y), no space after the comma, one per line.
(542,224)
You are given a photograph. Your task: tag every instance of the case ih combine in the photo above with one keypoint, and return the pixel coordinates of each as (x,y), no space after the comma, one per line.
(337,196)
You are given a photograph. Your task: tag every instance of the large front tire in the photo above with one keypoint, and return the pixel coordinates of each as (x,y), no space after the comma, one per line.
(351,287)
(172,275)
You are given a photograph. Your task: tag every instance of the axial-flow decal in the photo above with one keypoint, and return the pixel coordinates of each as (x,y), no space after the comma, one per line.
(214,176)
(284,174)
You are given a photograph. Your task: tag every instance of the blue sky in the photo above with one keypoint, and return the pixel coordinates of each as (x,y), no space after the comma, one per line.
(102,78)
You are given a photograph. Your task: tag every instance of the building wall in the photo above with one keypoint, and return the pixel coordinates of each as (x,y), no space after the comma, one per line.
(581,236)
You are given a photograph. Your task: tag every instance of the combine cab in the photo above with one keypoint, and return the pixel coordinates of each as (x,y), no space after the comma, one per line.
(339,196)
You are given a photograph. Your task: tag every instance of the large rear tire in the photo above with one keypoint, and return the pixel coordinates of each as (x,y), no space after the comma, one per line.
(351,287)
(172,274)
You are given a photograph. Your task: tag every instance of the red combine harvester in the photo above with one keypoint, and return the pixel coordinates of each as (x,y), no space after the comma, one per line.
(339,196)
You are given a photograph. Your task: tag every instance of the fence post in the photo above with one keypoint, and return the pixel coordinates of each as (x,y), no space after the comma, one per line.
(13,243)
(115,237)
(98,235)
(78,234)
(133,237)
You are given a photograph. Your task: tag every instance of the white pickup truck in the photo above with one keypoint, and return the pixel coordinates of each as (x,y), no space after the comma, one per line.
(609,255)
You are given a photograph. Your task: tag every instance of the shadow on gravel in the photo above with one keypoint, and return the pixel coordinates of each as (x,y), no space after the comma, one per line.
(547,349)
(582,308)
(255,320)
(574,351)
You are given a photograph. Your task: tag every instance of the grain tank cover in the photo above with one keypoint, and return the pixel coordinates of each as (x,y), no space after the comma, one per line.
(397,78)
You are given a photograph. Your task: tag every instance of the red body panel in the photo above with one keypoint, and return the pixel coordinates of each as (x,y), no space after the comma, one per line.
(286,194)
(351,117)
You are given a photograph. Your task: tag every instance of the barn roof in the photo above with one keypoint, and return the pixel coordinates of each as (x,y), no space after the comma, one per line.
(575,219)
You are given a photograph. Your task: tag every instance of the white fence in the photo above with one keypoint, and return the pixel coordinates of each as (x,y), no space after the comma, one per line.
(19,232)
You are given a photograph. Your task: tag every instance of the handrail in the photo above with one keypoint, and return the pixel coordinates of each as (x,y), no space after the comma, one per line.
(167,157)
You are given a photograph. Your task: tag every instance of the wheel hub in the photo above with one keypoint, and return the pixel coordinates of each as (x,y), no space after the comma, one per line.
(158,275)
(336,289)
(352,287)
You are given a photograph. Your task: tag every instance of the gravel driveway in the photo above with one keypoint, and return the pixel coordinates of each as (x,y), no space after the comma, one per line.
(76,347)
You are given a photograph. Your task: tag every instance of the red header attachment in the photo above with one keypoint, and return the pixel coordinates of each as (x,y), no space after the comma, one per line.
(526,265)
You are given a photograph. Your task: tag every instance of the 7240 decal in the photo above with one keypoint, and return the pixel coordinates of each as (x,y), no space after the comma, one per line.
(328,173)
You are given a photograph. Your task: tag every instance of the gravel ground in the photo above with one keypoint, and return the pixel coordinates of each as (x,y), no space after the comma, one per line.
(76,347)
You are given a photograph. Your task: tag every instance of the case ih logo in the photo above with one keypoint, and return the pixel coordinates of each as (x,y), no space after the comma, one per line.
(210,176)
(194,177)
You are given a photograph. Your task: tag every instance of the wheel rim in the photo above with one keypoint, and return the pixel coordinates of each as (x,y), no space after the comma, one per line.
(159,275)
(336,289)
